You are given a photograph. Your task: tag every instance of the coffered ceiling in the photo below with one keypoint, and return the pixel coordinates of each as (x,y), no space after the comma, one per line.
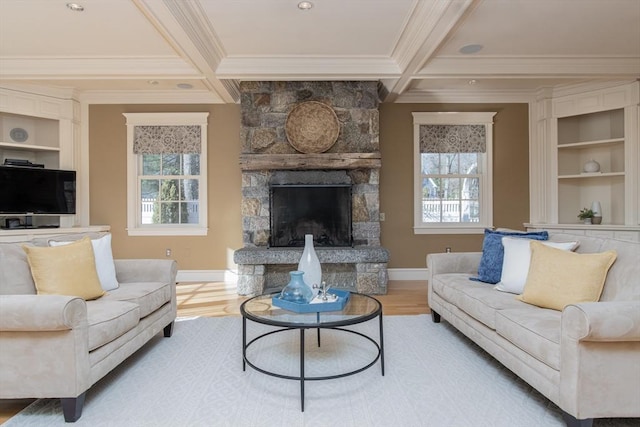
(147,48)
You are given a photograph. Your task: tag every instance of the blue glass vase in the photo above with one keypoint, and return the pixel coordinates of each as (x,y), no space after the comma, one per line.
(296,290)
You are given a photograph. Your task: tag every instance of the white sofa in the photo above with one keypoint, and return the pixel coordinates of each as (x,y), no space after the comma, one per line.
(585,358)
(55,346)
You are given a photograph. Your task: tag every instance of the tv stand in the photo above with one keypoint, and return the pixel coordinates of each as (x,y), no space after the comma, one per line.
(27,234)
(30,227)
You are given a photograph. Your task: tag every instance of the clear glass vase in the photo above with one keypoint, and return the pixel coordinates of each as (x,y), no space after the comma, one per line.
(296,290)
(310,264)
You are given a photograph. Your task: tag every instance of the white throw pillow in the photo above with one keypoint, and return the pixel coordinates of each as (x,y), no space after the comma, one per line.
(517,257)
(104,261)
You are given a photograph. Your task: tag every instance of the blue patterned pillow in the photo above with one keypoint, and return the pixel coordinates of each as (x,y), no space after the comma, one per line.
(490,268)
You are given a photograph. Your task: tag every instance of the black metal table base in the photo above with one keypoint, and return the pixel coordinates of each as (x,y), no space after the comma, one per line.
(302,377)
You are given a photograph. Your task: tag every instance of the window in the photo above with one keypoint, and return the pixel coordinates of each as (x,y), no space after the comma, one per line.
(452,167)
(166,174)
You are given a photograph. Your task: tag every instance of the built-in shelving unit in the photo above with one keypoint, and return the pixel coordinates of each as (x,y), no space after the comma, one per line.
(43,130)
(30,138)
(589,137)
(578,127)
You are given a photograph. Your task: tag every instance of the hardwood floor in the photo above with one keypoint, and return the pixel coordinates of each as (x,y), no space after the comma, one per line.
(219,299)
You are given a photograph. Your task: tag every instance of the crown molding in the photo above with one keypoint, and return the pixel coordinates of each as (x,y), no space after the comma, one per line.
(532,66)
(150,97)
(322,68)
(49,91)
(466,97)
(66,68)
(581,88)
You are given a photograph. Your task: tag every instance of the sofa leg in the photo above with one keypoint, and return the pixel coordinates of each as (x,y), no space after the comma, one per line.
(572,421)
(72,407)
(435,317)
(168,330)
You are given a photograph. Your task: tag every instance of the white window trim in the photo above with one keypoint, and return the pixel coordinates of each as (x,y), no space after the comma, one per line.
(134,228)
(486,189)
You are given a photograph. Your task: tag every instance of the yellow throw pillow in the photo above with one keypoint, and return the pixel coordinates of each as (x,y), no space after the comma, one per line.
(558,278)
(65,270)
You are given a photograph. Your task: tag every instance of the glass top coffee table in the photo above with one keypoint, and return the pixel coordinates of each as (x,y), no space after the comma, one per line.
(360,308)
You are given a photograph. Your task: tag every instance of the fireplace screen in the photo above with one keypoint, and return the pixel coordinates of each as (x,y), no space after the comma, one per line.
(321,210)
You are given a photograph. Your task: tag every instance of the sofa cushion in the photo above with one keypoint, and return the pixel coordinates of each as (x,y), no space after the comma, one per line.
(104,260)
(110,319)
(534,330)
(558,278)
(149,296)
(490,267)
(623,283)
(476,299)
(15,273)
(517,257)
(65,270)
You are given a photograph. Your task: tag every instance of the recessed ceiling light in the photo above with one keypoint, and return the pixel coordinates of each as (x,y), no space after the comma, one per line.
(305,5)
(470,48)
(75,7)
(184,86)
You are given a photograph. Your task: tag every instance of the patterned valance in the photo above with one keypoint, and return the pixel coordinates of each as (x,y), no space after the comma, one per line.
(453,139)
(167,139)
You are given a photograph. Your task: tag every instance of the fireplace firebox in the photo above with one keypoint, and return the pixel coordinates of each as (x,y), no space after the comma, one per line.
(323,210)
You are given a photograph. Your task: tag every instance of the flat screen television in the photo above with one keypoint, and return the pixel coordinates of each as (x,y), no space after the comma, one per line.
(29,190)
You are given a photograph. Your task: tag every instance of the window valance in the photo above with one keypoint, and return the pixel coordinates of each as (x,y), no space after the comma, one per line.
(453,139)
(183,139)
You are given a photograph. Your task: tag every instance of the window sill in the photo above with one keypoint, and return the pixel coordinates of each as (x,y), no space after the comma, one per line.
(444,229)
(168,231)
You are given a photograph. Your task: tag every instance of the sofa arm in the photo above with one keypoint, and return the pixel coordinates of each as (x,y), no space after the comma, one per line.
(146,270)
(602,321)
(458,262)
(41,312)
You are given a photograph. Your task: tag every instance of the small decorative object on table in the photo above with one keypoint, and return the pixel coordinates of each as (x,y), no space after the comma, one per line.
(324,301)
(296,291)
(310,264)
(586,215)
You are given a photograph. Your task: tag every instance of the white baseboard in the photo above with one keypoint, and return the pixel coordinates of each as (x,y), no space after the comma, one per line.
(226,276)
(232,277)
(407,273)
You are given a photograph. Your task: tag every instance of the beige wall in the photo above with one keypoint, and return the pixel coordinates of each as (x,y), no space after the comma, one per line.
(510,180)
(107,135)
(108,186)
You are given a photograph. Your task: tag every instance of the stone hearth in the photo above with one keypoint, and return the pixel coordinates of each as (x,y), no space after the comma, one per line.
(267,156)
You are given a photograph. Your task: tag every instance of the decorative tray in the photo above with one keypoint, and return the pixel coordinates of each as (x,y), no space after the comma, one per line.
(316,305)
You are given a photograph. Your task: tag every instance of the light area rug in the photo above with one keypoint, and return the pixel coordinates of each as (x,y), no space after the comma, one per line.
(434,376)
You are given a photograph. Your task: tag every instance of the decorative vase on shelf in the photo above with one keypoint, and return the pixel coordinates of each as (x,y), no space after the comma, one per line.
(310,264)
(597,213)
(591,166)
(296,290)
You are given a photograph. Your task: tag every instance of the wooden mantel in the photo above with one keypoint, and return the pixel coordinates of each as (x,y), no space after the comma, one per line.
(253,162)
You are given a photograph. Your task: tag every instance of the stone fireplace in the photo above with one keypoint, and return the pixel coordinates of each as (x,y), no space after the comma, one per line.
(333,195)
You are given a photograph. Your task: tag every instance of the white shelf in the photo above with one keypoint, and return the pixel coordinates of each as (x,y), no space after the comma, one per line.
(28,147)
(590,175)
(590,144)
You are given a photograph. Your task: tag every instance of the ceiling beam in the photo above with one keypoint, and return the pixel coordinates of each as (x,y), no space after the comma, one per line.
(184,25)
(430,24)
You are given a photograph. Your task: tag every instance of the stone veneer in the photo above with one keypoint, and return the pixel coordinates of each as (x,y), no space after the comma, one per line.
(265,106)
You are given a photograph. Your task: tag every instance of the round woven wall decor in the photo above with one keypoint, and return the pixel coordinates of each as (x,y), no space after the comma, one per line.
(312,127)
